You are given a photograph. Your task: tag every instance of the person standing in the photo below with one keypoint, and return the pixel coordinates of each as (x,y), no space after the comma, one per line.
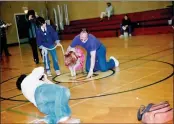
(32,27)
(3,37)
(47,38)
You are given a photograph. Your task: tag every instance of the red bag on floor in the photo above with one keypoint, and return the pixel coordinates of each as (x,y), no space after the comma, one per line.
(155,113)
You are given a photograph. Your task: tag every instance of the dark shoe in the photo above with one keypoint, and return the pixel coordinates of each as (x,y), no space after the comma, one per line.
(36,61)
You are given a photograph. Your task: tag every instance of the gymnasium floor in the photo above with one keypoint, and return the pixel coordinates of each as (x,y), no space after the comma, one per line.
(145,75)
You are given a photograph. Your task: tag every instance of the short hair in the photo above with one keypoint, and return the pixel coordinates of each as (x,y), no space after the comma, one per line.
(40,21)
(31,12)
(19,81)
(84,30)
(108,3)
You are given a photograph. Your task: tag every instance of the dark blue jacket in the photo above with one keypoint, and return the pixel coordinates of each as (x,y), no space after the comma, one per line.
(48,38)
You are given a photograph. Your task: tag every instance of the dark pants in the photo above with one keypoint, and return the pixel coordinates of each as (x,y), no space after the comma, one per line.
(3,45)
(33,44)
(100,63)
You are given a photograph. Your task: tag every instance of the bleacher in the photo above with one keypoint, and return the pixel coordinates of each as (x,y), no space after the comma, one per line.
(144,23)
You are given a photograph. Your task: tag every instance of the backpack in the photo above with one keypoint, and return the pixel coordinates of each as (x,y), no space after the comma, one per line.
(155,113)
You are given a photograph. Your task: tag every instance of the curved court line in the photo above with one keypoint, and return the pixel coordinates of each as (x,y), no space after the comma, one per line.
(57,82)
(8,79)
(95,96)
(133,88)
(120,63)
(79,84)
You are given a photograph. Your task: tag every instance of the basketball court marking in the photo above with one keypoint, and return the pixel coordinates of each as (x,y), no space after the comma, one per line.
(123,62)
(38,117)
(170,75)
(72,105)
(81,77)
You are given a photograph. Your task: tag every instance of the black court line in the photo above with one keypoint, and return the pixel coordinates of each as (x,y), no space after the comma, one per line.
(84,76)
(110,93)
(120,63)
(133,88)
(8,69)
(10,98)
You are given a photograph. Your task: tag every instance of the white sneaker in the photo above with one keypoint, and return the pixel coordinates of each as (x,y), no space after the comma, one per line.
(115,60)
(49,73)
(70,121)
(58,72)
(130,35)
(39,121)
(73,121)
(121,36)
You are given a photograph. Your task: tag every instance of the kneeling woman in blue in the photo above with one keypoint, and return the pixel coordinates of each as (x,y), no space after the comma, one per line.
(47,37)
(96,53)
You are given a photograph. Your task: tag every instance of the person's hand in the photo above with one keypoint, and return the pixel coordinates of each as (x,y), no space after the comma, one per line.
(58,44)
(30,17)
(90,73)
(4,25)
(124,28)
(44,50)
(45,77)
(8,24)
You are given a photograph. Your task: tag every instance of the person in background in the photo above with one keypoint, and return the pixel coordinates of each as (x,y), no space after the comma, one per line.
(108,12)
(173,22)
(3,38)
(32,27)
(125,26)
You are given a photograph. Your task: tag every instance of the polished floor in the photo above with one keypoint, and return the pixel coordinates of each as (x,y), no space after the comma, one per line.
(145,75)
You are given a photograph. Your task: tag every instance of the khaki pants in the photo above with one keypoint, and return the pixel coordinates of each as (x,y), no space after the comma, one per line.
(104,14)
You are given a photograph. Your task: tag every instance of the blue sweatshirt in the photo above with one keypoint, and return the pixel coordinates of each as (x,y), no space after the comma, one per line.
(47,38)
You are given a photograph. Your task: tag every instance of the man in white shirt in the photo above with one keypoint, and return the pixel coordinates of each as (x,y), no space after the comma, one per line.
(49,98)
(109,11)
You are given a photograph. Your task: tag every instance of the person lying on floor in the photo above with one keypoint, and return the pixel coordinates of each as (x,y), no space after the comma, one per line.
(51,99)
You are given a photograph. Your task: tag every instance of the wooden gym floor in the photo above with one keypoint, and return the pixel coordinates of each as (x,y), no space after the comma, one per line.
(145,75)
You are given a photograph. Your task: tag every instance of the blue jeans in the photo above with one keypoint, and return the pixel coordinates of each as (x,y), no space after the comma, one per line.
(52,100)
(129,29)
(54,58)
(101,63)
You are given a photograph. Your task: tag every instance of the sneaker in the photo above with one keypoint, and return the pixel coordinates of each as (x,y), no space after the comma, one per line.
(49,73)
(71,121)
(39,121)
(58,72)
(115,60)
(121,36)
(130,35)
